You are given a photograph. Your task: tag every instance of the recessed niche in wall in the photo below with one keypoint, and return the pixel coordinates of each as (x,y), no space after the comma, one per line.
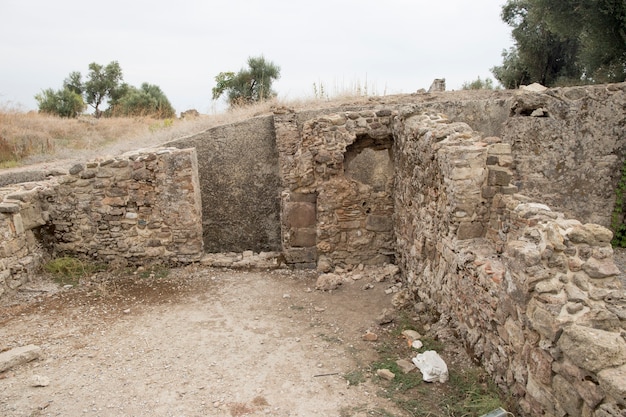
(369,161)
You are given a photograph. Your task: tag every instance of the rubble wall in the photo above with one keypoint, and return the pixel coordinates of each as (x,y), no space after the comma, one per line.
(338,184)
(534,295)
(22,213)
(138,207)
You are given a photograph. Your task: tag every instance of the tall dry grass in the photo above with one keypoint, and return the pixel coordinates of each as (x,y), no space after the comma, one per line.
(28,137)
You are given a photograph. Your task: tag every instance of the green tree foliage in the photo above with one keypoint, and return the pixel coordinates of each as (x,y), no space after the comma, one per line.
(148,100)
(564,42)
(478,84)
(74,82)
(250,84)
(101,82)
(600,28)
(63,103)
(105,82)
(540,55)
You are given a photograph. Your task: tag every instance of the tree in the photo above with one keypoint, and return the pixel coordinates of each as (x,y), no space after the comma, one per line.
(600,27)
(540,55)
(74,82)
(101,83)
(512,73)
(149,100)
(105,82)
(248,85)
(564,42)
(479,84)
(63,103)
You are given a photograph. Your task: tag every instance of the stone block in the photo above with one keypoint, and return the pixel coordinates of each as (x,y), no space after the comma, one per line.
(489,191)
(600,268)
(498,176)
(18,224)
(542,395)
(470,230)
(300,255)
(499,149)
(593,349)
(302,197)
(568,398)
(300,215)
(613,382)
(18,356)
(9,208)
(303,238)
(542,320)
(540,365)
(492,160)
(378,223)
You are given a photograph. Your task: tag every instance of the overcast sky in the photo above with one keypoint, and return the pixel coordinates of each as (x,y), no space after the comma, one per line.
(397,46)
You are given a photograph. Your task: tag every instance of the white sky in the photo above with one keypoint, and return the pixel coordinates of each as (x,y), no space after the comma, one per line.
(397,46)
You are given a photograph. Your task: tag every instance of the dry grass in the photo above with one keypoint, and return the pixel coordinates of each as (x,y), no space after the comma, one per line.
(30,138)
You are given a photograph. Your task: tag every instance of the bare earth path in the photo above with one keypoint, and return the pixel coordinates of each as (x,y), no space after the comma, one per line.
(200,342)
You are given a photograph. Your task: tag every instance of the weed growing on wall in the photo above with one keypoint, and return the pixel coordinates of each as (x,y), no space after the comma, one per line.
(617,218)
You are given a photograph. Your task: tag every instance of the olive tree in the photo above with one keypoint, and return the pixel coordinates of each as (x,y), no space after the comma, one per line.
(250,84)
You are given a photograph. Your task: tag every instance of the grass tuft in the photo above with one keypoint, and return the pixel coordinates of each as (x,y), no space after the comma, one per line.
(68,271)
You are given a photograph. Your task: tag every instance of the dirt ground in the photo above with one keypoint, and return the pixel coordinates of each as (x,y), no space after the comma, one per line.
(198,342)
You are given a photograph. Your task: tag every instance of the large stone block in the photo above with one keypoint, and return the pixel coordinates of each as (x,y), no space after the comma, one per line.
(499,176)
(303,238)
(18,356)
(470,230)
(300,255)
(300,215)
(378,223)
(568,398)
(600,268)
(613,382)
(593,349)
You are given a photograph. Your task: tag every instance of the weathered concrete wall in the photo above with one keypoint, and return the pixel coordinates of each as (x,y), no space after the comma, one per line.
(238,166)
(569,145)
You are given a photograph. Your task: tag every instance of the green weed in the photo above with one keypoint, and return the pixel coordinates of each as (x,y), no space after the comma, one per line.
(354,377)
(68,271)
(402,382)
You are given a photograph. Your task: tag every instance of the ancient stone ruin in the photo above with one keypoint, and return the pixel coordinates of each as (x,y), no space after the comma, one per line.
(494,205)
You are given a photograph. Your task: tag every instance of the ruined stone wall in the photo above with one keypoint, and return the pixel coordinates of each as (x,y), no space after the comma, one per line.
(338,178)
(141,207)
(534,295)
(553,323)
(138,207)
(21,214)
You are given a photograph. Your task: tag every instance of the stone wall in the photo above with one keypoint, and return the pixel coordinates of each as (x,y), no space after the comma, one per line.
(22,213)
(337,174)
(532,292)
(137,208)
(534,295)
(524,287)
